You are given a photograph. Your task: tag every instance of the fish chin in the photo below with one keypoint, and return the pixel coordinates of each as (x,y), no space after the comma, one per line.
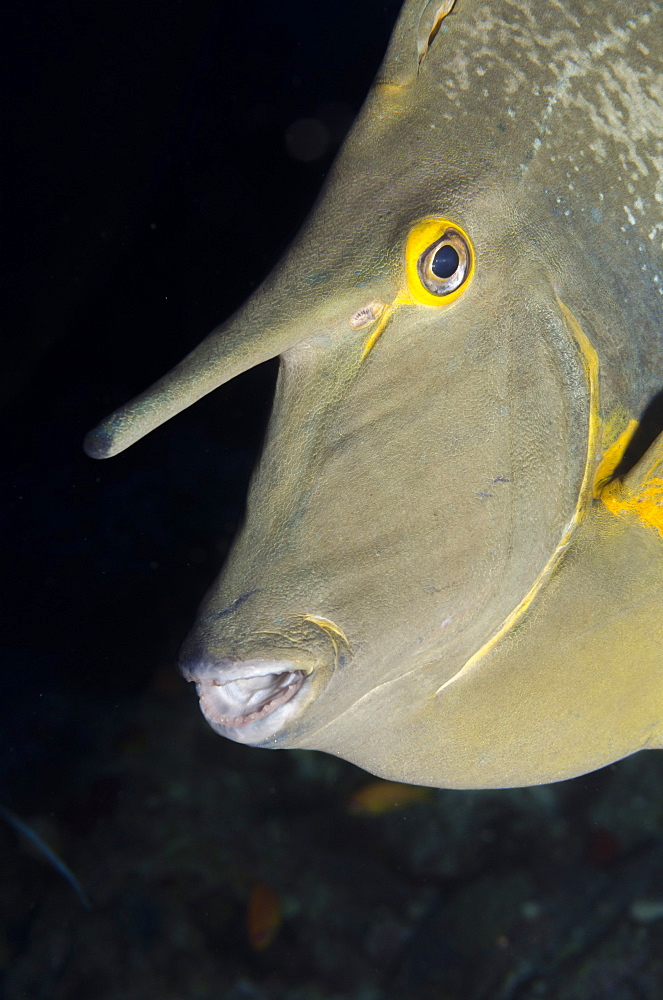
(249,702)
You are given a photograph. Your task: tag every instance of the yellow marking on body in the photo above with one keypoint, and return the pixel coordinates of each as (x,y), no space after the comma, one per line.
(379,329)
(646,505)
(645,502)
(591,365)
(614,425)
(613,455)
(335,633)
(590,361)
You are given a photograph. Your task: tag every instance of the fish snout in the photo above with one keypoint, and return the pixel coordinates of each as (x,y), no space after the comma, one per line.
(255,677)
(248,701)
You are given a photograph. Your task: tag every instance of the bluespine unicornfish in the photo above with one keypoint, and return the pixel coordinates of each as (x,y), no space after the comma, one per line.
(451,566)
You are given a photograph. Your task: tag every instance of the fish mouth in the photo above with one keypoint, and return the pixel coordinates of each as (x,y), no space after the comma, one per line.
(248,701)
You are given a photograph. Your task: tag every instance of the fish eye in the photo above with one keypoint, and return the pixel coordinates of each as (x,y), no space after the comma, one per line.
(444,266)
(439,260)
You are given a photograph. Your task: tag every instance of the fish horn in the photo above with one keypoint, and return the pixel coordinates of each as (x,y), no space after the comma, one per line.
(229,350)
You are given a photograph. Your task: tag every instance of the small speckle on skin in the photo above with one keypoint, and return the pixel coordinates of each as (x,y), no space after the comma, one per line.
(366,314)
(596,214)
(629,215)
(317,278)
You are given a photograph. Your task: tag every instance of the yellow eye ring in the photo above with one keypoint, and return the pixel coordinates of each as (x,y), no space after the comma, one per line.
(432,249)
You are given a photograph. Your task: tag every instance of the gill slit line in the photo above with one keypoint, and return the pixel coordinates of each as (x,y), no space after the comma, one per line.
(590,363)
(364,697)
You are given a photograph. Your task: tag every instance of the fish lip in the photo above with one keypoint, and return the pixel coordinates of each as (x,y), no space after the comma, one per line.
(248,701)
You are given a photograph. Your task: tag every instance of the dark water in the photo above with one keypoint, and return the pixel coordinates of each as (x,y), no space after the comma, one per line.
(155,173)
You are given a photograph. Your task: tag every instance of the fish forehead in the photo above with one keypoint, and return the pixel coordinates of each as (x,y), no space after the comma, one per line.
(542,87)
(532,117)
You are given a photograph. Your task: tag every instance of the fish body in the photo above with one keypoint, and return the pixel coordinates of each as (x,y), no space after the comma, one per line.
(451,567)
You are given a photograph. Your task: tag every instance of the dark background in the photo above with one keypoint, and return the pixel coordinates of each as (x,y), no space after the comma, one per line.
(154,172)
(149,190)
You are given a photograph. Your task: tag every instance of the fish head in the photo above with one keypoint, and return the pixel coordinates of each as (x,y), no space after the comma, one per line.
(427,446)
(424,456)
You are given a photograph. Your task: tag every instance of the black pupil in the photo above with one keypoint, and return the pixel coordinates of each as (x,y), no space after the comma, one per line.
(445,262)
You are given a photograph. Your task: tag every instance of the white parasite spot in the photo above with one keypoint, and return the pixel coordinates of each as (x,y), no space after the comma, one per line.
(629,214)
(366,315)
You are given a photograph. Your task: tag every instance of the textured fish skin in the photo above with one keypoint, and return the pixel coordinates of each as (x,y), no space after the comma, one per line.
(438,564)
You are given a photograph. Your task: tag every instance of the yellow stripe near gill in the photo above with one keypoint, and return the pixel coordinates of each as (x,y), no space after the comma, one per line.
(402,299)
(377,332)
(590,363)
(614,453)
